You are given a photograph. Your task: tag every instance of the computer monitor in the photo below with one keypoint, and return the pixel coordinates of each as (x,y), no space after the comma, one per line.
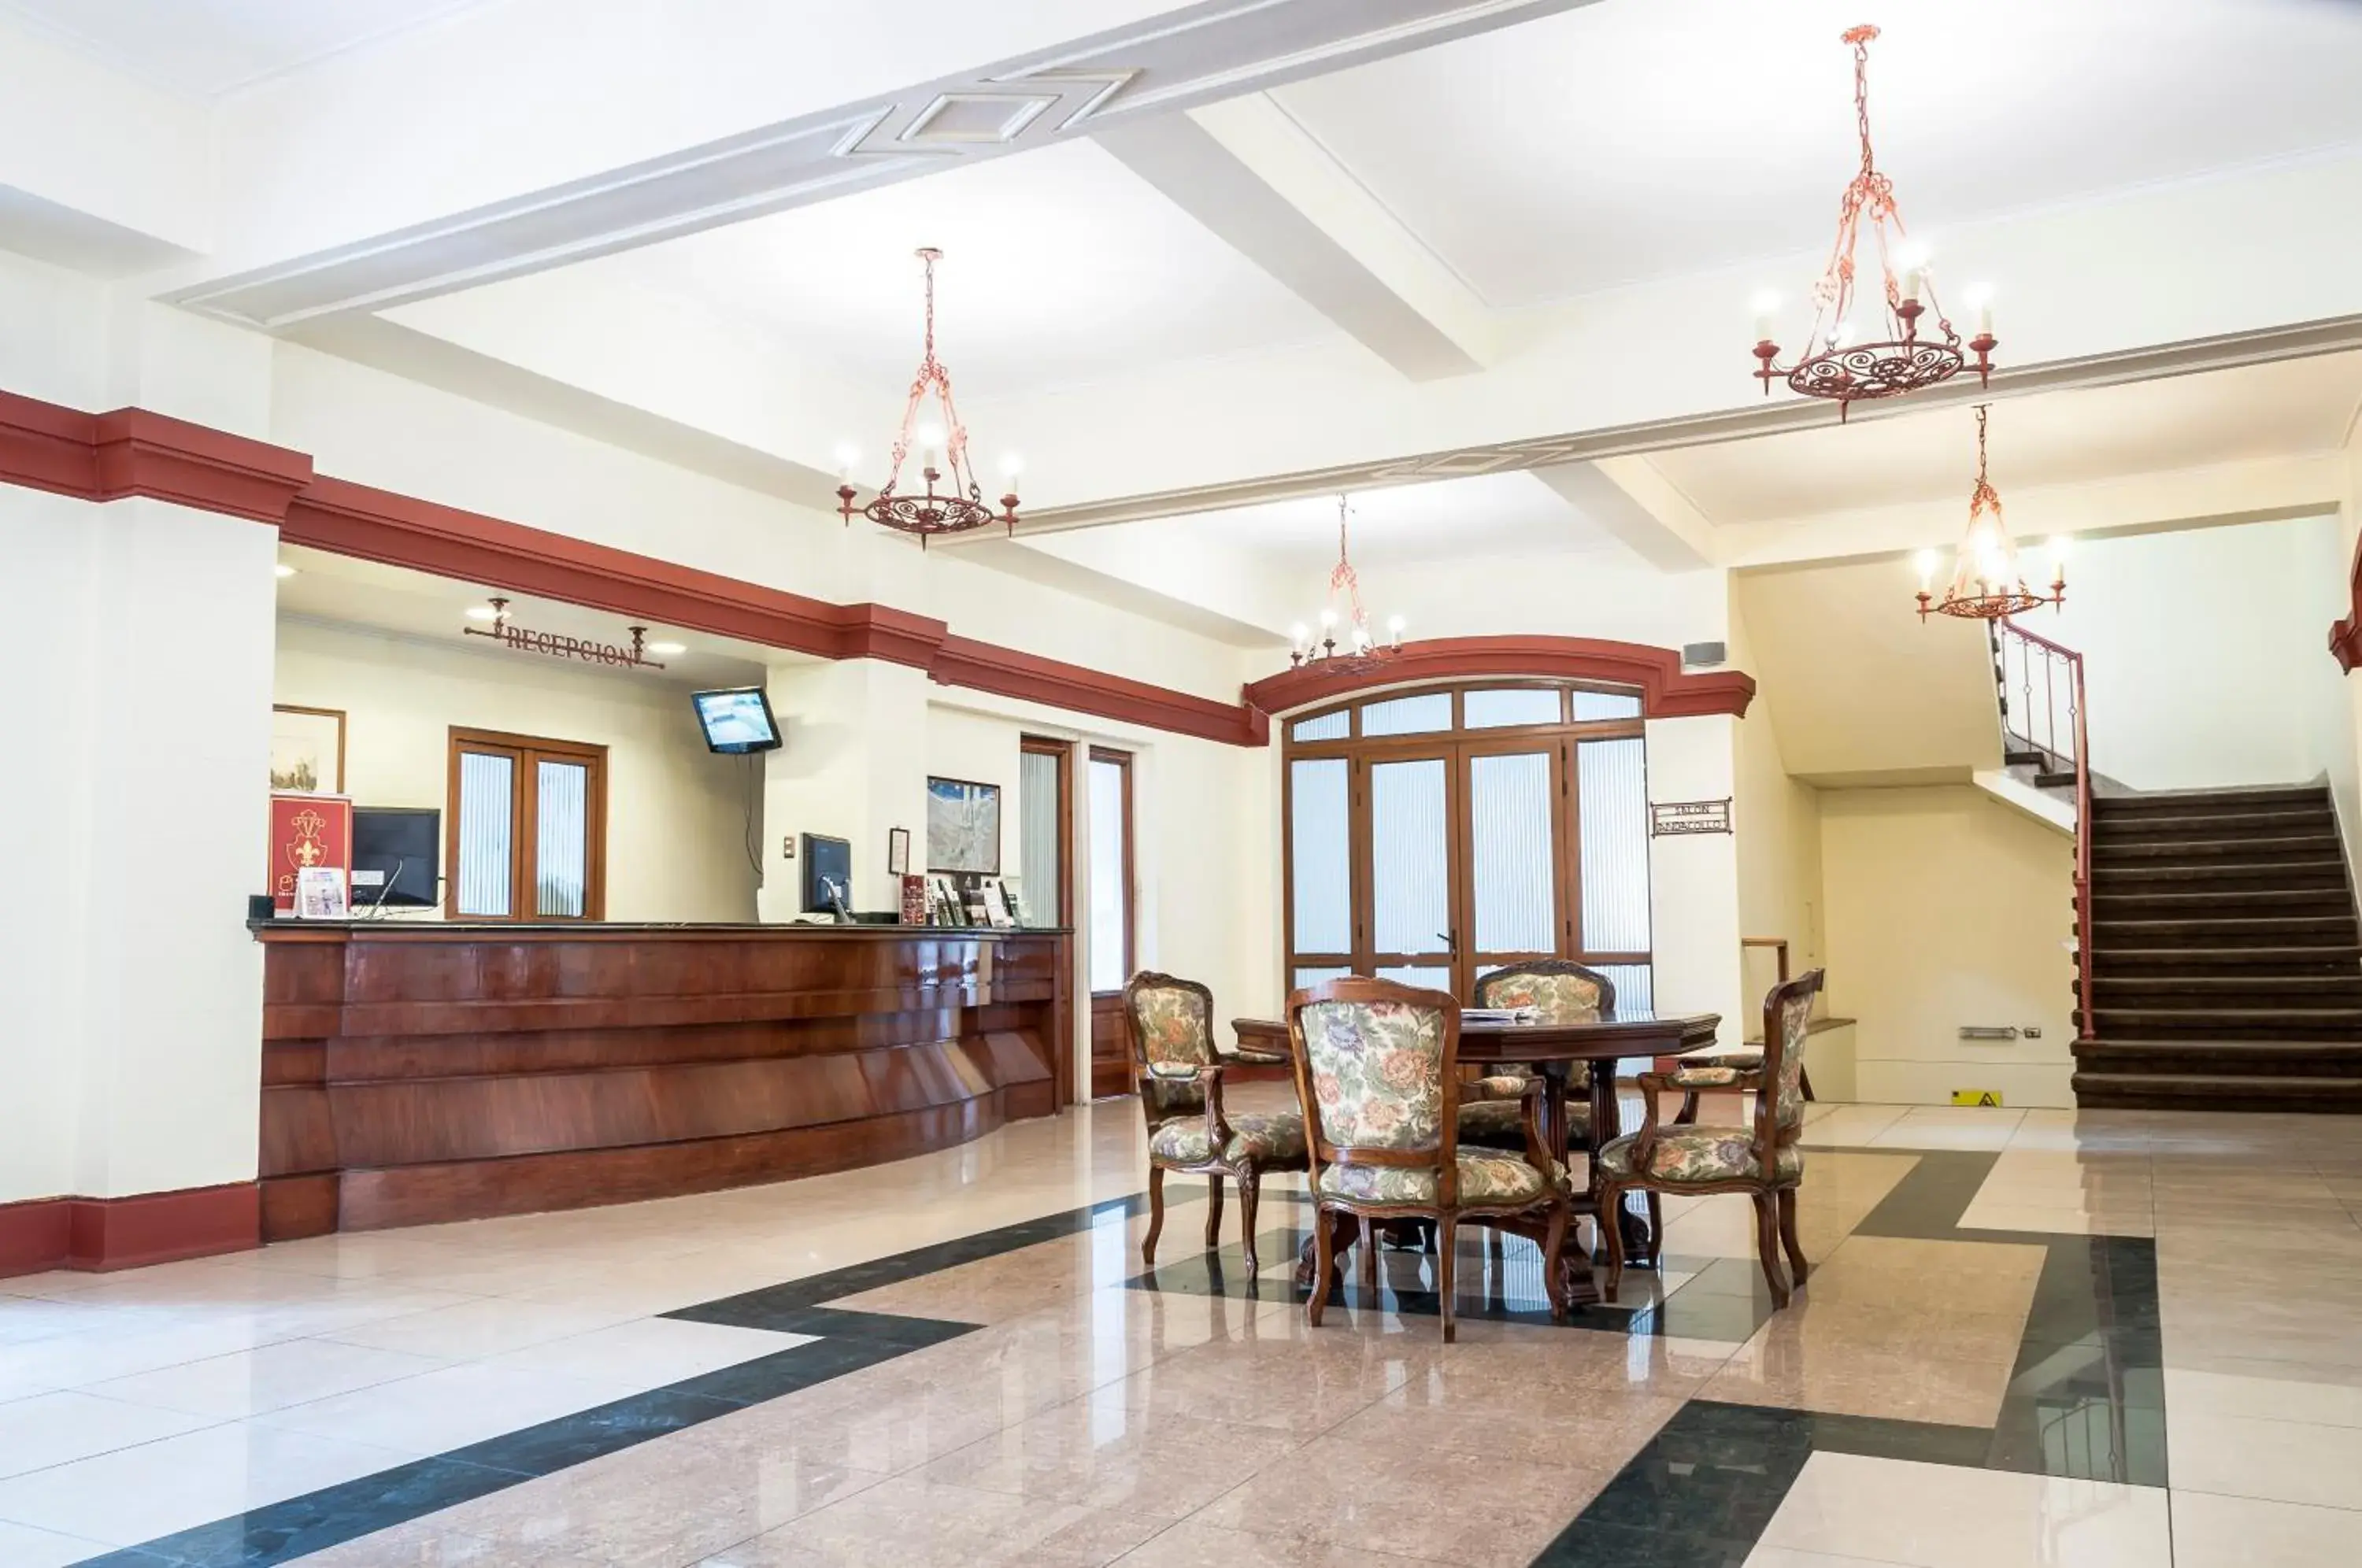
(736,718)
(397,855)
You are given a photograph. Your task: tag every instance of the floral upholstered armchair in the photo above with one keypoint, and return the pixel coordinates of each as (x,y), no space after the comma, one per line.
(1377,1073)
(1560,991)
(1762,1161)
(1180,1079)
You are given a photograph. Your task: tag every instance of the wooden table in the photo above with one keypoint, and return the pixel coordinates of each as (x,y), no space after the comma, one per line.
(1554,1049)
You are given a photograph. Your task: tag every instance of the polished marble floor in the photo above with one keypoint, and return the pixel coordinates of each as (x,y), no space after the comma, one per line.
(2030,1338)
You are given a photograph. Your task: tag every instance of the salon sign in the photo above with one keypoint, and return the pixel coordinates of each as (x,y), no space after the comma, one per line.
(1681,819)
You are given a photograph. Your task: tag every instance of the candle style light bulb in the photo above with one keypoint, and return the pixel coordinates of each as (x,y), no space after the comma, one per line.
(1299,635)
(1926,561)
(1328,619)
(1394,629)
(1766,306)
(2058,560)
(847,456)
(1980,299)
(1910,258)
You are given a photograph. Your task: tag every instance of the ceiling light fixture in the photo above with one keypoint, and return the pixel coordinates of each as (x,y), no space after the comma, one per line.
(1986,584)
(667,650)
(1837,362)
(1361,651)
(282,570)
(942,456)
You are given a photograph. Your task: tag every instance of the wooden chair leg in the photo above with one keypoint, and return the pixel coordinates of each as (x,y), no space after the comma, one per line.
(1250,1189)
(1213,1211)
(1656,1229)
(1370,1259)
(1766,1245)
(1447,1252)
(1797,1264)
(1324,1266)
(1553,1245)
(1611,1204)
(1155,1216)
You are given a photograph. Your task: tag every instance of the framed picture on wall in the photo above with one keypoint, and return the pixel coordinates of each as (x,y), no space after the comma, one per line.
(307,750)
(962,826)
(897,852)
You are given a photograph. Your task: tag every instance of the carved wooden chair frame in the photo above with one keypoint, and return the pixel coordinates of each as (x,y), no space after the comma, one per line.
(1577,1137)
(1247,1172)
(1336,1217)
(1775,1198)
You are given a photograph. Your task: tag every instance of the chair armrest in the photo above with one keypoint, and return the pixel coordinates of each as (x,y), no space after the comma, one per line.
(1529,1122)
(1206,1074)
(1246,1058)
(1709,1076)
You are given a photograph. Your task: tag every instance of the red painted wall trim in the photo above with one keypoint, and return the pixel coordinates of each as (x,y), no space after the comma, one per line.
(132,452)
(1666,692)
(2345,635)
(100,1233)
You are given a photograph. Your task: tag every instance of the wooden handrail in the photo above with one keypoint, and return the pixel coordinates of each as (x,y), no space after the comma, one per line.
(1777,943)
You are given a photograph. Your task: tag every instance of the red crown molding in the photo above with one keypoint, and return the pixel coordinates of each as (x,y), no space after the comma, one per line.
(1666,692)
(129,1233)
(132,452)
(983,667)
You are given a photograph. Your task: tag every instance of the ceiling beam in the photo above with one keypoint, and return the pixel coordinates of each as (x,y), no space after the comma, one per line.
(1629,499)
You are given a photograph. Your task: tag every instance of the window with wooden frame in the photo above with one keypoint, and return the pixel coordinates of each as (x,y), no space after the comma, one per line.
(527,828)
(1433,834)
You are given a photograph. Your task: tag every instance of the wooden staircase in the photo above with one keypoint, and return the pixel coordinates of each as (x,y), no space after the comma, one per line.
(2227,962)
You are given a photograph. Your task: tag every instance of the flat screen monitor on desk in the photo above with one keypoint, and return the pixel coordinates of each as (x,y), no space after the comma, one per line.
(736,718)
(397,855)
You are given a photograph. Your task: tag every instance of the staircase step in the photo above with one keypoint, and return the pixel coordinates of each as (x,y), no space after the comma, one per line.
(2238,990)
(2169,1091)
(2274,877)
(2343,957)
(2233,1055)
(2222,824)
(2159,1021)
(2225,931)
(2207,801)
(2168,903)
(2054,780)
(2025,758)
(2277,850)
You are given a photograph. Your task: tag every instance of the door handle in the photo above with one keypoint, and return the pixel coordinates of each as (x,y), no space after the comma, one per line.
(1451,942)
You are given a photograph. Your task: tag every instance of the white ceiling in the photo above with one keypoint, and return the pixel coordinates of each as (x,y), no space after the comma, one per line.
(345,591)
(2289,408)
(206,48)
(1637,139)
(1060,266)
(1489,515)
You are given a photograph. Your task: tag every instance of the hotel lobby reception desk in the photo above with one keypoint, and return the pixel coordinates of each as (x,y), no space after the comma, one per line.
(417,1073)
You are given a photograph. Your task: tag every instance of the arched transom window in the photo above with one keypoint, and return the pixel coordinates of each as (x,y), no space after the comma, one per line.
(1435,834)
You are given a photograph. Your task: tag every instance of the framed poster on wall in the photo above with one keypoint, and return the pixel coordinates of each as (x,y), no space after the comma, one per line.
(307,750)
(962,826)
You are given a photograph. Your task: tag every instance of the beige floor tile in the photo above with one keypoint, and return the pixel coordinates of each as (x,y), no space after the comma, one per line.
(1936,1516)
(1411,1498)
(2243,1456)
(1194,1544)
(909,1523)
(2198,1386)
(1103,1455)
(2212,1531)
(1856,1383)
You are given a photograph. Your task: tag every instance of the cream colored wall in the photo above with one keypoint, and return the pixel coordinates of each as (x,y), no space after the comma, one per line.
(1778,822)
(676,829)
(1946,908)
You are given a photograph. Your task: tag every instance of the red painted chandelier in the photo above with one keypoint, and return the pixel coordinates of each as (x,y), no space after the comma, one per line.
(1987,583)
(944,458)
(1840,361)
(1360,651)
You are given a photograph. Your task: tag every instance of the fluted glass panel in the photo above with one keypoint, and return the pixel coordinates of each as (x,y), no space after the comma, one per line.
(487,794)
(1037,838)
(1512,863)
(1410,874)
(1321,872)
(1328,726)
(1611,797)
(1108,892)
(561,850)
(1432,977)
(1408,716)
(1590,705)
(1511,705)
(1316,976)
(1635,989)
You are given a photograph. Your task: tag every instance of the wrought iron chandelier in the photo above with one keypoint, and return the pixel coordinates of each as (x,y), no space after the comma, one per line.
(1360,651)
(1986,584)
(1839,361)
(942,456)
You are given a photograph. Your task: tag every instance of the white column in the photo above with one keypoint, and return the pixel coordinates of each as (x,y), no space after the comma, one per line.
(133,820)
(1693,879)
(854,765)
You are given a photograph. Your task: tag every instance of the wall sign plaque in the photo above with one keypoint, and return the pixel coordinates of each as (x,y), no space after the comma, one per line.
(1681,819)
(557,645)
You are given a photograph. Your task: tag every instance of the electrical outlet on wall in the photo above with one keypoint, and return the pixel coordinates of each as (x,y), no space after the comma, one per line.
(787,846)
(2032,1031)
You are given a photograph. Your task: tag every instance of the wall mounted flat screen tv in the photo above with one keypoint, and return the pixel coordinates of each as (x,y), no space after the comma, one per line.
(736,718)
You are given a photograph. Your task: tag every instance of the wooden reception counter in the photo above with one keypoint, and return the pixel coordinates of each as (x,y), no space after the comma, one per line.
(414,1073)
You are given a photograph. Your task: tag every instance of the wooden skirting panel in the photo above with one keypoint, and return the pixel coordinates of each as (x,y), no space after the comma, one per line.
(419,1074)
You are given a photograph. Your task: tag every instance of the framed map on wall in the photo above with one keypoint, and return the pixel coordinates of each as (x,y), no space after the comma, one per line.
(962,826)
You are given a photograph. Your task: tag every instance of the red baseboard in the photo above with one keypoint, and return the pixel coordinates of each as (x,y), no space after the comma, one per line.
(101,1234)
